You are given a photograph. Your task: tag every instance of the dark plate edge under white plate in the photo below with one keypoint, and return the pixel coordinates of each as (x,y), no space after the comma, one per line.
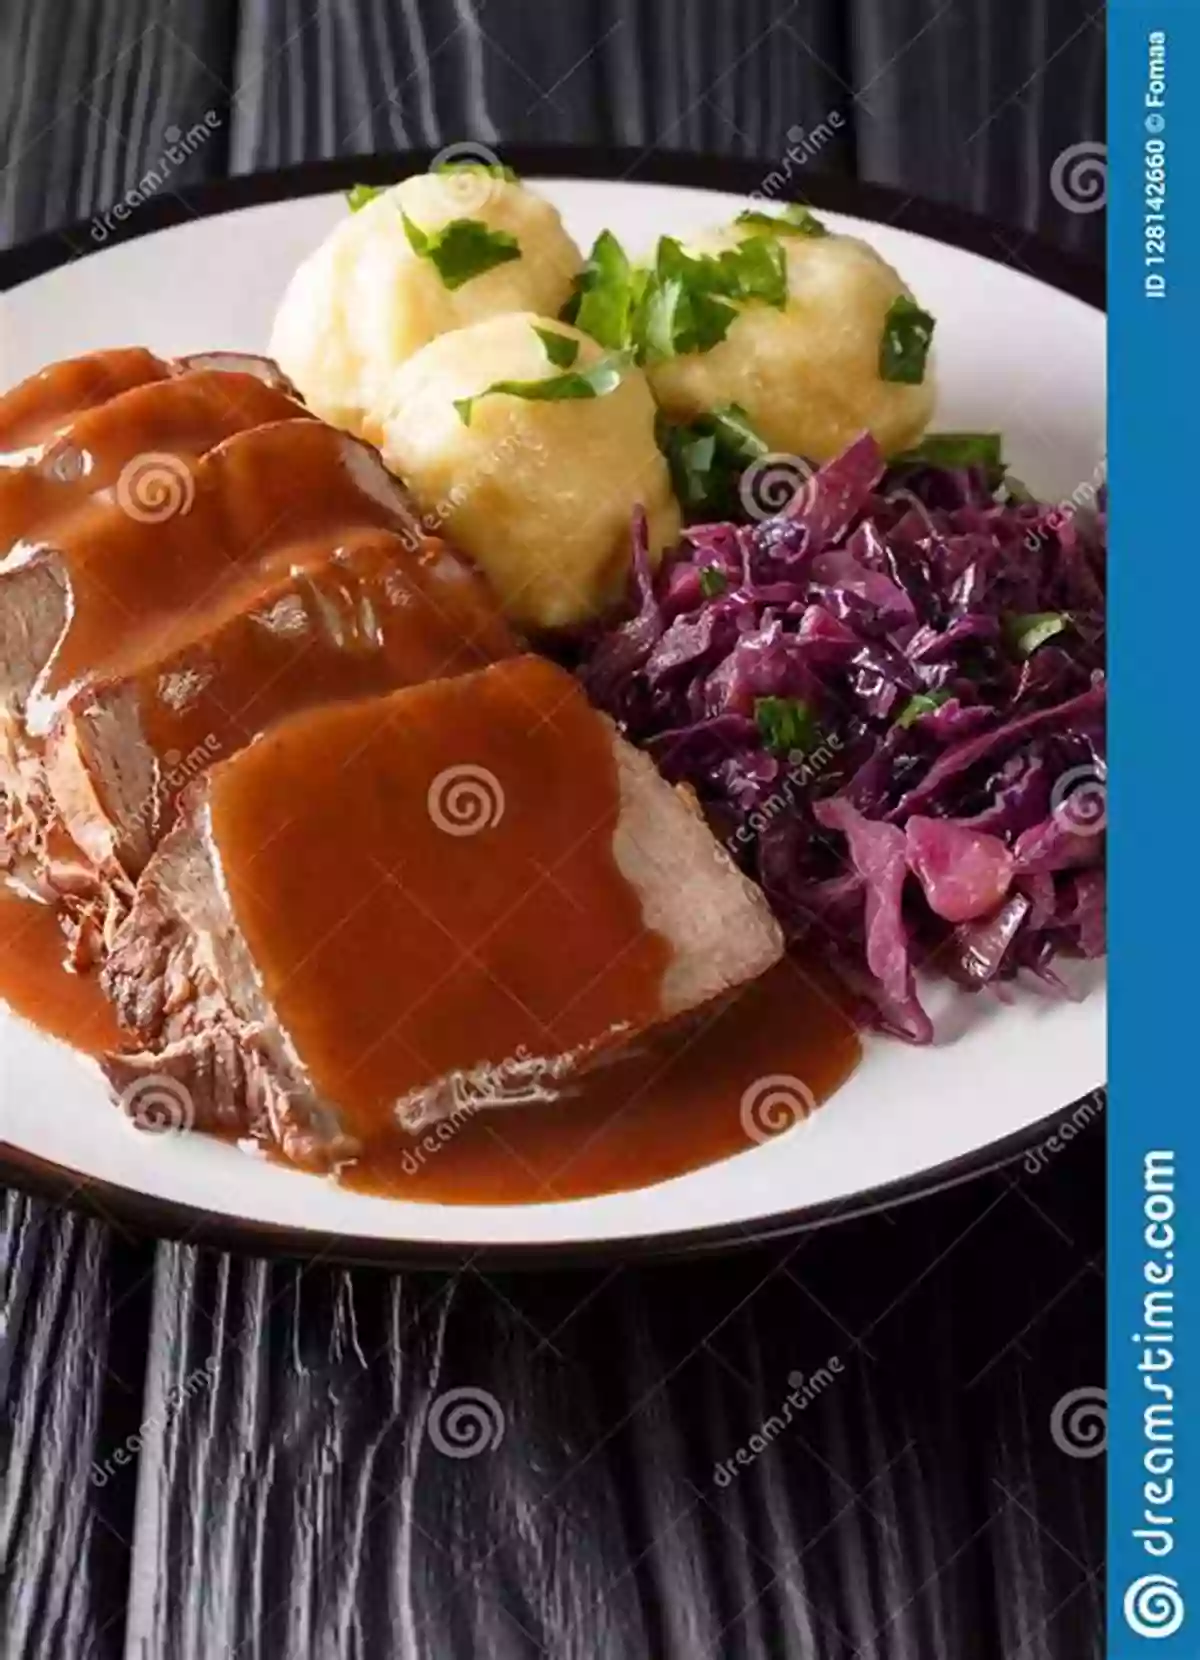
(729,175)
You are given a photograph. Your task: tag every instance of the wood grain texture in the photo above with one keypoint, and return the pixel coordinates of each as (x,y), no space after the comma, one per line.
(318,1495)
(367,75)
(289,1482)
(978,102)
(73,1301)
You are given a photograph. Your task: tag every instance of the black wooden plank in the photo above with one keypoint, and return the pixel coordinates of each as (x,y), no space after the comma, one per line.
(94,95)
(74,1296)
(357,76)
(311,1500)
(985,104)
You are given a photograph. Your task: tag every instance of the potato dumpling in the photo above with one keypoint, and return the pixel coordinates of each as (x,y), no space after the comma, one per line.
(540,494)
(366,300)
(807,375)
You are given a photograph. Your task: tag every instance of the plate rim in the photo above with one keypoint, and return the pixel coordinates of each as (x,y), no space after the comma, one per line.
(956,227)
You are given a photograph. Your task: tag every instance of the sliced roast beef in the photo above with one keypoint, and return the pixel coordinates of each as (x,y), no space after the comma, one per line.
(115,593)
(371,618)
(459,892)
(79,437)
(37,408)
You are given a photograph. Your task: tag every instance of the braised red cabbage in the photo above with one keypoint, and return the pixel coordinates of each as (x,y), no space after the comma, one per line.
(890,701)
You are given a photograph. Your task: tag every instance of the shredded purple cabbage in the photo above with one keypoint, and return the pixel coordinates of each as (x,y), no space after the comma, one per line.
(947,810)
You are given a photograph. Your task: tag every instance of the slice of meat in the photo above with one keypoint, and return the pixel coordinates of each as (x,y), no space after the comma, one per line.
(117,589)
(116,446)
(36,408)
(474,884)
(133,572)
(372,618)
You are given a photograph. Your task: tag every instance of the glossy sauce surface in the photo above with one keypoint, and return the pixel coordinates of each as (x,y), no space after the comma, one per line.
(262,502)
(275,584)
(140,444)
(674,1103)
(34,983)
(369,619)
(475,915)
(679,1099)
(32,411)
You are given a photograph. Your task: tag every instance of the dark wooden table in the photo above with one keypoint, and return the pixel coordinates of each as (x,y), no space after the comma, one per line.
(205,1456)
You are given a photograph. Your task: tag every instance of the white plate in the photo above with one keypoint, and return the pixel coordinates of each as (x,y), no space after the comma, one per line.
(1013,354)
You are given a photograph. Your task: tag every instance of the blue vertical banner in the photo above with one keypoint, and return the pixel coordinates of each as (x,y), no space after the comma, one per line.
(1154,882)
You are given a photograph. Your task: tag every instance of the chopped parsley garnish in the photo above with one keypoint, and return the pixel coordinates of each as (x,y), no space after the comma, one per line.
(713,581)
(561,349)
(1025,634)
(359,195)
(786,724)
(689,300)
(957,449)
(707,458)
(606,294)
(463,249)
(795,220)
(603,377)
(756,270)
(923,704)
(904,346)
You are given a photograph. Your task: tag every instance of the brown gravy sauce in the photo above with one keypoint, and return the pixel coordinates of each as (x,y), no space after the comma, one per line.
(369,619)
(475,912)
(674,1104)
(35,984)
(32,411)
(678,1099)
